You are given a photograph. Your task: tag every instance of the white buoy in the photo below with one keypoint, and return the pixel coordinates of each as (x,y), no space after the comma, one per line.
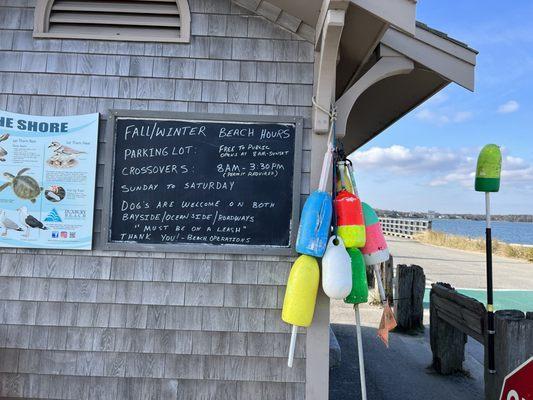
(336,269)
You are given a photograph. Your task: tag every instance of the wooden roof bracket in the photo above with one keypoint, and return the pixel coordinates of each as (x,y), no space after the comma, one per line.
(327,44)
(391,63)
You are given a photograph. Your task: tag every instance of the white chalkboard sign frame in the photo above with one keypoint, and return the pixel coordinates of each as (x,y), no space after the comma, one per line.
(109,159)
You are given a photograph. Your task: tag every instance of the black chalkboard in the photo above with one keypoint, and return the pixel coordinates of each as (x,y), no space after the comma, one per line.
(183,182)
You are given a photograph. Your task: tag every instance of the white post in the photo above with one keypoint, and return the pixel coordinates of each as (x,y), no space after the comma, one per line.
(317,335)
(360,351)
(292,345)
(487,208)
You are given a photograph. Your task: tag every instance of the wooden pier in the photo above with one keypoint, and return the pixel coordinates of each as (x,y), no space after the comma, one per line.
(404,227)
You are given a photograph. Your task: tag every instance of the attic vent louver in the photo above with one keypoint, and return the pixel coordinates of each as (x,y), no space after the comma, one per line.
(122,20)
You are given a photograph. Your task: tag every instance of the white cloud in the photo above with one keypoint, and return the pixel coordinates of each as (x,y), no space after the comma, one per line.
(442,117)
(405,160)
(515,170)
(438,111)
(436,99)
(462,116)
(515,163)
(432,117)
(508,107)
(439,166)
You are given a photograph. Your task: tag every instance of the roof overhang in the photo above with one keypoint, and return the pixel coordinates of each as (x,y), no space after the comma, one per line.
(373,59)
(452,59)
(398,13)
(436,60)
(365,23)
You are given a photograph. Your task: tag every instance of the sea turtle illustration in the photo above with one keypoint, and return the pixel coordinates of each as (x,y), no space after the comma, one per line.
(24,186)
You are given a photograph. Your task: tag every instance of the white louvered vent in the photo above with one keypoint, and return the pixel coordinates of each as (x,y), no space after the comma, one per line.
(133,20)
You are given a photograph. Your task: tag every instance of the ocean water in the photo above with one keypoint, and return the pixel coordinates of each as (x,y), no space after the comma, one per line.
(508,232)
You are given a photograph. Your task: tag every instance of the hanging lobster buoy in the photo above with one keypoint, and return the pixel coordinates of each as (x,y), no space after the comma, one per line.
(315,224)
(315,221)
(375,250)
(300,297)
(336,270)
(344,180)
(359,292)
(358,295)
(350,220)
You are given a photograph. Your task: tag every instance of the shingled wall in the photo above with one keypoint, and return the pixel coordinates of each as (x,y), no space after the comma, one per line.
(127,325)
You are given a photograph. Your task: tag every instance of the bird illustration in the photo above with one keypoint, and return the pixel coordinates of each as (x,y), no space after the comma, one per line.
(3,152)
(60,149)
(29,221)
(8,223)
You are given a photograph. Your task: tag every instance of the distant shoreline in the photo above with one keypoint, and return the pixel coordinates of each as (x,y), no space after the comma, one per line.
(470,217)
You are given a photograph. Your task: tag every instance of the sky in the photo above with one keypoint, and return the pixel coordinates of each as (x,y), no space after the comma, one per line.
(426,161)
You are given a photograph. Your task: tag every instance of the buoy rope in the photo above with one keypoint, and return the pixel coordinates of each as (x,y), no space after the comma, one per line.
(332,149)
(332,112)
(352,177)
(334,182)
(330,145)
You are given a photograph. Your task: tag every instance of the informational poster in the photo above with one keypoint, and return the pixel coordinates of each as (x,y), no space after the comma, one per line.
(47,180)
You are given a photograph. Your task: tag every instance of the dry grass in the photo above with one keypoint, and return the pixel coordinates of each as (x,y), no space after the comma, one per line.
(475,244)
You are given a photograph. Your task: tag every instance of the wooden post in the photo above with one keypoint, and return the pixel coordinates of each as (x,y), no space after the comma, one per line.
(513,344)
(370,277)
(410,297)
(387,276)
(387,273)
(447,342)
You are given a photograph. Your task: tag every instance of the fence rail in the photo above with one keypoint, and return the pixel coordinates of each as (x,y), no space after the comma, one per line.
(454,316)
(404,227)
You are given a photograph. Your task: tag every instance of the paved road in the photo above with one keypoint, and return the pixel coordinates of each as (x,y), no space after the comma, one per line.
(462,269)
(401,372)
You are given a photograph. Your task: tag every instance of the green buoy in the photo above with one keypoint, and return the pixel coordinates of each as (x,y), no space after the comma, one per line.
(489,167)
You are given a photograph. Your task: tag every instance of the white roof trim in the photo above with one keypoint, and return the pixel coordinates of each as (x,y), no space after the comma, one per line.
(400,13)
(454,62)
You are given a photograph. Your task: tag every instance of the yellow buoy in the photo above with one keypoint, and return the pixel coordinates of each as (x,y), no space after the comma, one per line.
(300,297)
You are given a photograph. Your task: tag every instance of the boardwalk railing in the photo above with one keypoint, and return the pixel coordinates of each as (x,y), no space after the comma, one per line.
(404,227)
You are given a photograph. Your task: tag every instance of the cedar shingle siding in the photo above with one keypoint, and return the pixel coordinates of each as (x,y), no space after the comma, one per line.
(126,325)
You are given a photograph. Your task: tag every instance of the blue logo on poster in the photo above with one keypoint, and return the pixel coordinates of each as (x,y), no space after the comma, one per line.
(55,235)
(53,216)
